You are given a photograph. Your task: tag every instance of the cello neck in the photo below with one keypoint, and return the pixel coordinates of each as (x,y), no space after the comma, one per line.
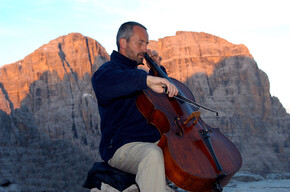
(159,71)
(155,67)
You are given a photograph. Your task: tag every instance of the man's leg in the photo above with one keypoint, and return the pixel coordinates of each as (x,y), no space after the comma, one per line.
(146,161)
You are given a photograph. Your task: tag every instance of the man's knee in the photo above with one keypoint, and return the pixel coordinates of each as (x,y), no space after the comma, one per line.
(155,155)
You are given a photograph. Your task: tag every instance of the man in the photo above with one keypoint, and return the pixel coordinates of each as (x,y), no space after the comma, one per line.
(128,142)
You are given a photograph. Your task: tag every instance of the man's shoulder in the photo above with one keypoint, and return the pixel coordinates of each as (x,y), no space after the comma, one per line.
(109,64)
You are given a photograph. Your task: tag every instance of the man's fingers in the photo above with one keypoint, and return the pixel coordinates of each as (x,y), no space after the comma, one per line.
(171,89)
(161,85)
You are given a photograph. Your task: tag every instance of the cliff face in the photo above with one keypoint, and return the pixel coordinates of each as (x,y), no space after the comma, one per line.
(51,88)
(225,77)
(189,53)
(67,58)
(50,123)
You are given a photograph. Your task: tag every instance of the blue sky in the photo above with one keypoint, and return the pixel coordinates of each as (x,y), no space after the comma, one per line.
(262,25)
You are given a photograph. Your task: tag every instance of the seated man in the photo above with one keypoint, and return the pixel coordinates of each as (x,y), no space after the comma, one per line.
(128,142)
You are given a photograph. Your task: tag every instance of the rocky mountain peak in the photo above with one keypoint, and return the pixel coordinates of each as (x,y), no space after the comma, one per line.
(188,53)
(72,55)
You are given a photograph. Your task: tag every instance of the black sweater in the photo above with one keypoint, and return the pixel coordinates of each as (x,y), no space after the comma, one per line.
(117,84)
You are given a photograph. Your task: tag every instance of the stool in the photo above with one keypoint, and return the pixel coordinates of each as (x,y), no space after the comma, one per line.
(103,173)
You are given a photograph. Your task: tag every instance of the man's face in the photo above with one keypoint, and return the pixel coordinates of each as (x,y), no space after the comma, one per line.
(137,45)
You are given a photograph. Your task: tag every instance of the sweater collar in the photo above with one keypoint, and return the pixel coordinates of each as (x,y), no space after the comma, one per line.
(124,60)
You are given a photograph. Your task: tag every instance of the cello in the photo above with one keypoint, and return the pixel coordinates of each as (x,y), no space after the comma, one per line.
(197,157)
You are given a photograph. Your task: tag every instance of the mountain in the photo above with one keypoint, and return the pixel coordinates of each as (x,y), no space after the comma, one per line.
(50,123)
(225,77)
(49,119)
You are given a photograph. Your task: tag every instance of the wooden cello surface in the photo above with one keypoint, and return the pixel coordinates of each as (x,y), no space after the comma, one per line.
(197,157)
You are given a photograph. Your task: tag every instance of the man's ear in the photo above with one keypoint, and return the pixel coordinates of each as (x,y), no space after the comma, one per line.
(123,43)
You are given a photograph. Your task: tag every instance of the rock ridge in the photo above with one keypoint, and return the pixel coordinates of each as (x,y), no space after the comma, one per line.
(225,77)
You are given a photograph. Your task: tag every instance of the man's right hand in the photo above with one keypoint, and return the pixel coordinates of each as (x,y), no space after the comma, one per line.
(157,83)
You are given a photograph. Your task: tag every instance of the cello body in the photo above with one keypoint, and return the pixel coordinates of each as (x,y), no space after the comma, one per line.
(194,161)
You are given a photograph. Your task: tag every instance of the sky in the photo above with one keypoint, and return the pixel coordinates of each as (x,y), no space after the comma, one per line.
(261,25)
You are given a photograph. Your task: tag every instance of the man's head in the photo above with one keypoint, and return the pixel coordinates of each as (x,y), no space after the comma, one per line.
(132,41)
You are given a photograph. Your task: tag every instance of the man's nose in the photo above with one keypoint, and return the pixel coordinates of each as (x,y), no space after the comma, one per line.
(144,48)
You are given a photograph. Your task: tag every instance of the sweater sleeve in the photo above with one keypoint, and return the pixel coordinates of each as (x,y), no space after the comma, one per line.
(110,83)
